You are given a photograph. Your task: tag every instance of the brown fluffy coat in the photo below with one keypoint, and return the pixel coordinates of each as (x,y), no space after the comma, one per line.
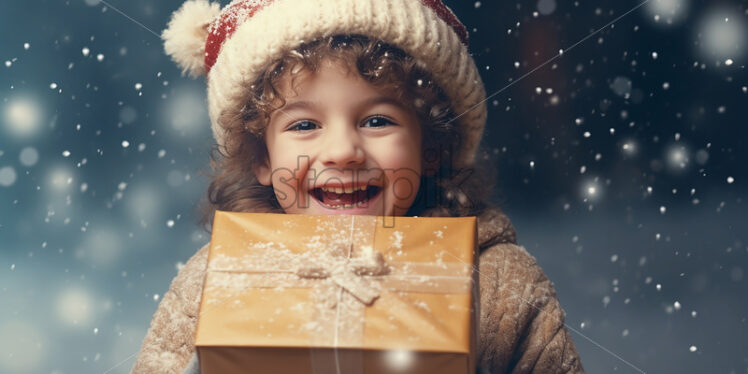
(521,323)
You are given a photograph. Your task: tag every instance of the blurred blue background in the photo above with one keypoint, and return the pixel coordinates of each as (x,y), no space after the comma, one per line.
(621,163)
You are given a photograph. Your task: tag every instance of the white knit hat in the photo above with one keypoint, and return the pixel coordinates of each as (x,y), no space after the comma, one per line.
(233,46)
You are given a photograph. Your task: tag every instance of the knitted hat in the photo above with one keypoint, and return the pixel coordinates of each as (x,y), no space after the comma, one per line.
(233,46)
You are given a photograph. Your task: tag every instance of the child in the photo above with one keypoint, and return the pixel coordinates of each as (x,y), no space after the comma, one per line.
(353,107)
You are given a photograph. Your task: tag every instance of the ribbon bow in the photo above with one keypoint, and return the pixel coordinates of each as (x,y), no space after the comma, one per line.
(352,274)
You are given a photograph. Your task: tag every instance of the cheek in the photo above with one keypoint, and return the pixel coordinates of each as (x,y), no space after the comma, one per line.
(402,158)
(401,152)
(288,172)
(286,159)
(405,185)
(284,186)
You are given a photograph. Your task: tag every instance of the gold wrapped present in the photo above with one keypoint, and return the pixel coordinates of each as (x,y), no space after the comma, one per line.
(336,294)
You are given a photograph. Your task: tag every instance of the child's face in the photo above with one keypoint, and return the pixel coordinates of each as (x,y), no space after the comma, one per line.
(339,131)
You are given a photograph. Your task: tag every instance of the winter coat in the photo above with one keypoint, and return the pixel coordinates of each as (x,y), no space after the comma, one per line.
(521,322)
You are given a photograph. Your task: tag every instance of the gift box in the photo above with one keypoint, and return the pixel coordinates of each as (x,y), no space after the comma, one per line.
(289,293)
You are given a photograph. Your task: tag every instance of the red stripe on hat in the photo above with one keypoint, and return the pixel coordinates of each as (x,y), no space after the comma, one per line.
(237,13)
(224,26)
(449,17)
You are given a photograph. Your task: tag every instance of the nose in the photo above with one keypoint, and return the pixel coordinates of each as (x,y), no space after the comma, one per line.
(342,146)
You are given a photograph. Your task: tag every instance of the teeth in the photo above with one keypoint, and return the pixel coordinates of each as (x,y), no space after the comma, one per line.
(362,203)
(347,189)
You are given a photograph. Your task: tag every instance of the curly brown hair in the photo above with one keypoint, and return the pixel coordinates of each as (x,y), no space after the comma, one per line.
(444,191)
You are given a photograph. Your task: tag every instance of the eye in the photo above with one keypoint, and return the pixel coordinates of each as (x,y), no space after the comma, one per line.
(303,126)
(377,121)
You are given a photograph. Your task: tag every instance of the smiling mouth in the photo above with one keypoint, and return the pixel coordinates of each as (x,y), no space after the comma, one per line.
(337,198)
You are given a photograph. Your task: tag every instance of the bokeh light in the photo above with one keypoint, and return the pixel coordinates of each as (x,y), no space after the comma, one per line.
(29,156)
(101,247)
(630,147)
(8,176)
(702,156)
(721,35)
(22,117)
(75,307)
(399,360)
(143,204)
(60,179)
(128,115)
(187,113)
(678,157)
(591,190)
(667,11)
(23,345)
(621,86)
(546,7)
